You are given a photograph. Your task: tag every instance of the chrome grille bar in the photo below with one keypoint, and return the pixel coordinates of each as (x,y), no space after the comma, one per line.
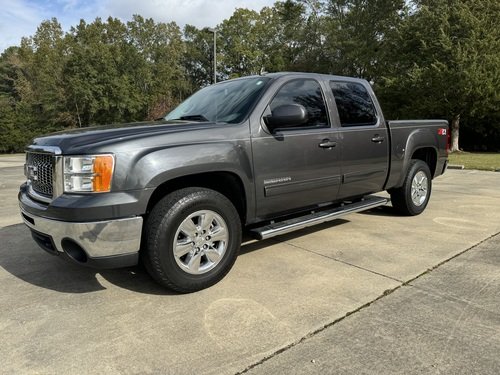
(42,172)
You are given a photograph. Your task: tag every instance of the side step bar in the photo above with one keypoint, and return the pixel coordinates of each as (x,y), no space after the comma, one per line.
(290,225)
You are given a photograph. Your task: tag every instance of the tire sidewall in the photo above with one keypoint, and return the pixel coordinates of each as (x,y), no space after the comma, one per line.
(416,167)
(167,230)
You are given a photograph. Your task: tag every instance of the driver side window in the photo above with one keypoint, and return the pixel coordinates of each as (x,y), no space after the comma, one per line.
(306,92)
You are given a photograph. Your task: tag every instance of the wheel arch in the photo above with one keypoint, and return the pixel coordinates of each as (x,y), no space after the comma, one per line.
(428,155)
(226,183)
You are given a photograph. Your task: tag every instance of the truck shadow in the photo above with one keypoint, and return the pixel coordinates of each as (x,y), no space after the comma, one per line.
(23,259)
(381,211)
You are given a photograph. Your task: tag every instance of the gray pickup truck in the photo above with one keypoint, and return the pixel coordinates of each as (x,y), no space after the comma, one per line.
(263,155)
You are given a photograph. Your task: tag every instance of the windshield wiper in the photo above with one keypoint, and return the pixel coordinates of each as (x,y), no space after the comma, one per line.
(193,118)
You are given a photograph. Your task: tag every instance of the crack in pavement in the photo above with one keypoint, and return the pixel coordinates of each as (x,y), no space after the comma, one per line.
(344,262)
(362,307)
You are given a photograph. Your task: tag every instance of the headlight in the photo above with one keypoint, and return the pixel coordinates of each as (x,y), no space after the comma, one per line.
(91,173)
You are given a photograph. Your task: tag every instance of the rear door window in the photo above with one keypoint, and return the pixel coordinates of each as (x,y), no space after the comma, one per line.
(354,104)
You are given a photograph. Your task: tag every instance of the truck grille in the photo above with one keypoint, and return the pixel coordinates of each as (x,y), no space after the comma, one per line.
(39,171)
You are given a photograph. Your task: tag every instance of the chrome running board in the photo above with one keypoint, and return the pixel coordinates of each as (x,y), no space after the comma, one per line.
(313,218)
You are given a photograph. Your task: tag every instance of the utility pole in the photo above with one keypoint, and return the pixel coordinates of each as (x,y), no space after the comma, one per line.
(213,30)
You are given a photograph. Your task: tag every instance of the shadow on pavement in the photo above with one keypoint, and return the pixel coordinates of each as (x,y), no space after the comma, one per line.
(21,257)
(381,211)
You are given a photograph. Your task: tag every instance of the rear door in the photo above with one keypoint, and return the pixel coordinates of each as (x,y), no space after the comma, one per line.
(293,166)
(365,141)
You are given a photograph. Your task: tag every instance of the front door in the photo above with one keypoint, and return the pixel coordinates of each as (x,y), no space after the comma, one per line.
(296,167)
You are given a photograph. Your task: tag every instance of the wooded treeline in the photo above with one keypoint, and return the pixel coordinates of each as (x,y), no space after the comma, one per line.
(425,58)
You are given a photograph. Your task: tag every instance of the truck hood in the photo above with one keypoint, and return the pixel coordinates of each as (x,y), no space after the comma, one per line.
(88,139)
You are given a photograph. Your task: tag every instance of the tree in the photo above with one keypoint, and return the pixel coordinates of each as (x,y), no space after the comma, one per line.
(32,98)
(426,58)
(198,57)
(239,42)
(448,63)
(11,137)
(100,73)
(358,34)
(160,74)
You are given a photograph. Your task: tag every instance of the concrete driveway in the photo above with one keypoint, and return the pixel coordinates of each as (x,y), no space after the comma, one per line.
(282,297)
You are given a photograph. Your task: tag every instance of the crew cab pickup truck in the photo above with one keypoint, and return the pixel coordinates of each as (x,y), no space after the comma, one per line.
(260,155)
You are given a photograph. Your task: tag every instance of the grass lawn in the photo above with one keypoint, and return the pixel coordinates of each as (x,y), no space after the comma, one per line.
(476,160)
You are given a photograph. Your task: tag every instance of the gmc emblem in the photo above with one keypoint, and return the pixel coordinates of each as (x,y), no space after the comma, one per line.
(32,172)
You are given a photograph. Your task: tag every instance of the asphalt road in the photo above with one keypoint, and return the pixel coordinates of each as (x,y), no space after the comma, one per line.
(372,293)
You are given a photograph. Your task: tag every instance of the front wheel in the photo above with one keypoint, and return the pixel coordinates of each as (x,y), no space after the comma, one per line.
(193,237)
(412,198)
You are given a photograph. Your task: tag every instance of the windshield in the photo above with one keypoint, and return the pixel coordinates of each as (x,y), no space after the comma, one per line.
(227,102)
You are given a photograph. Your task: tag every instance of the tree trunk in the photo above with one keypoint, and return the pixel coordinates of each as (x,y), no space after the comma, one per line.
(455,129)
(78,115)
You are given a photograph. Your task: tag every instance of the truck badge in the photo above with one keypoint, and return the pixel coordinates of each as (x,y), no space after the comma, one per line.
(32,172)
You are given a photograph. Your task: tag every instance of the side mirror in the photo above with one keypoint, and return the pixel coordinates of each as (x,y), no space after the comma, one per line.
(286,116)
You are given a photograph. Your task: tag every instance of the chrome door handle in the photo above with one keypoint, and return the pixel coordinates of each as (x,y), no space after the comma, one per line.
(326,143)
(378,139)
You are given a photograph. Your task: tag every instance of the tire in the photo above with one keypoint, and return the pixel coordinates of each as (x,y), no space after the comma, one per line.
(412,198)
(192,239)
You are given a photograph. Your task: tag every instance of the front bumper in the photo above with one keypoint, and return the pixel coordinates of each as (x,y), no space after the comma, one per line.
(101,244)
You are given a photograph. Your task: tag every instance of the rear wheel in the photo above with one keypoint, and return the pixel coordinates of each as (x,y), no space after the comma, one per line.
(412,198)
(193,237)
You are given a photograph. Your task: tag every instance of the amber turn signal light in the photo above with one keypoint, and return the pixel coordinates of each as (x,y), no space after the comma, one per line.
(103,173)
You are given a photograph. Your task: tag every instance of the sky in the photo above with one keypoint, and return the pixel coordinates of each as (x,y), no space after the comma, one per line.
(20,18)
